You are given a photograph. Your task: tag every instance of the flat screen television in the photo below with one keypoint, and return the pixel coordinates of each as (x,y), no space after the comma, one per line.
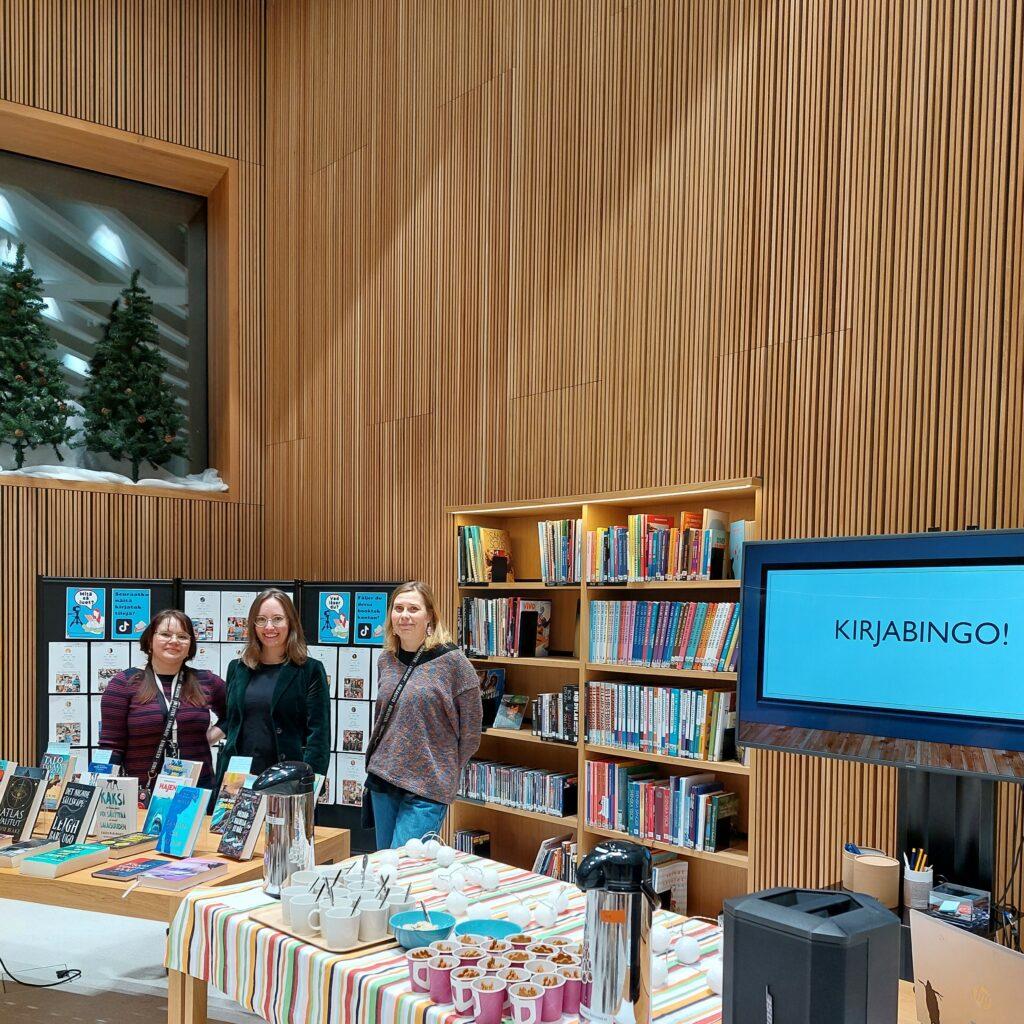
(905,650)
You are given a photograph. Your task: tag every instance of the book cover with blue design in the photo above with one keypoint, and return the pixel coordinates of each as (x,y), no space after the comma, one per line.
(180,828)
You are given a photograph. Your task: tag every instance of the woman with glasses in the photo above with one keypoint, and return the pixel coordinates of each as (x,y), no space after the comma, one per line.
(135,704)
(278,706)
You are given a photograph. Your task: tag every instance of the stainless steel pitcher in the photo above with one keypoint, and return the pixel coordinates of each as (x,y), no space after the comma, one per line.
(289,823)
(616,964)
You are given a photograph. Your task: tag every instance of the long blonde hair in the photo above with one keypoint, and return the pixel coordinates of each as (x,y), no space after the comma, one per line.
(295,651)
(439,632)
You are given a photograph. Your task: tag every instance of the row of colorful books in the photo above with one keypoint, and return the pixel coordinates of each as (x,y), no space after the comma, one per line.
(485,555)
(504,627)
(556,858)
(691,811)
(561,550)
(555,716)
(662,720)
(690,635)
(511,785)
(651,547)
(473,840)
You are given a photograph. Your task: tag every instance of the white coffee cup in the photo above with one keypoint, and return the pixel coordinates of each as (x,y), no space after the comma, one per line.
(302,911)
(288,893)
(305,878)
(340,927)
(373,920)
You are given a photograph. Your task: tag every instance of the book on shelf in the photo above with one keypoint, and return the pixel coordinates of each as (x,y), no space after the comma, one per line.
(74,814)
(21,803)
(511,711)
(129,845)
(608,555)
(128,870)
(183,874)
(740,532)
(529,789)
(6,771)
(181,827)
(485,555)
(117,813)
(556,858)
(688,635)
(59,764)
(11,856)
(561,550)
(243,828)
(492,687)
(63,860)
(554,716)
(666,720)
(504,627)
(473,840)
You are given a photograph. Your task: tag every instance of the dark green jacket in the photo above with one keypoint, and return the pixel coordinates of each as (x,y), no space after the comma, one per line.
(300,708)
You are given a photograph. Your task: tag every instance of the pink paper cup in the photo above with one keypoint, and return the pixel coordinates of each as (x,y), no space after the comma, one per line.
(488,1000)
(541,950)
(469,956)
(571,990)
(419,977)
(551,1005)
(439,969)
(492,964)
(540,967)
(462,988)
(526,1008)
(520,941)
(512,975)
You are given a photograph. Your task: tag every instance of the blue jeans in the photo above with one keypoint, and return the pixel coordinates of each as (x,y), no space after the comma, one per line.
(401,818)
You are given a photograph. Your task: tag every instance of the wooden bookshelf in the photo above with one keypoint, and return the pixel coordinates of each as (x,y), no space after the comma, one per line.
(516,833)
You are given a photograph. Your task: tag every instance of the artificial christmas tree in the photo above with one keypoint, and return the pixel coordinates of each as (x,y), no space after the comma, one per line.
(130,412)
(34,396)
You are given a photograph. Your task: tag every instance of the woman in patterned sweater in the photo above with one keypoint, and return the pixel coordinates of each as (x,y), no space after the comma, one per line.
(133,710)
(413,772)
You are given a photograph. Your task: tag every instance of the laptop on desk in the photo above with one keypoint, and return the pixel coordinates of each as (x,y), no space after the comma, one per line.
(961,978)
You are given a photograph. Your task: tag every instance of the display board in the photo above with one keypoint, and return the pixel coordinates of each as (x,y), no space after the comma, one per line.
(88,630)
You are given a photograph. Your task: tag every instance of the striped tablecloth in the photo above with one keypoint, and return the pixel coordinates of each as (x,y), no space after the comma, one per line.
(287,981)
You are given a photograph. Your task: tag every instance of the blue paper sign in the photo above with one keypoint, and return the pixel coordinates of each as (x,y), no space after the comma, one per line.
(371,611)
(129,613)
(85,613)
(333,617)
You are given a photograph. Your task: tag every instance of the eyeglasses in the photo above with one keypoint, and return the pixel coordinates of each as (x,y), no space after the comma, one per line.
(276,621)
(181,638)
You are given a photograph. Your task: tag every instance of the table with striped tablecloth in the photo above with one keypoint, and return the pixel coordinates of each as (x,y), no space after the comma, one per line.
(287,981)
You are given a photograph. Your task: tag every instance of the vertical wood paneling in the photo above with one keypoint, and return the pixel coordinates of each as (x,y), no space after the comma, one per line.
(579,246)
(189,72)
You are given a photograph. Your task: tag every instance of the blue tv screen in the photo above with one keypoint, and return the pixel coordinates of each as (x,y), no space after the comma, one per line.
(901,649)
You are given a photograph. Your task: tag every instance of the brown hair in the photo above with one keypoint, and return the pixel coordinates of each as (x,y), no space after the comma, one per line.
(439,635)
(295,651)
(191,691)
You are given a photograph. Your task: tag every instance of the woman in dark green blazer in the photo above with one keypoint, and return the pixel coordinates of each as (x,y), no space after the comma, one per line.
(278,704)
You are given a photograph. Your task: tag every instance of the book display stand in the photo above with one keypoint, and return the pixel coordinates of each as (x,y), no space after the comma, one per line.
(517,832)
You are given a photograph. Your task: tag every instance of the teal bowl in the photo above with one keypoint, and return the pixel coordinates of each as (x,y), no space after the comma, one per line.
(409,938)
(485,926)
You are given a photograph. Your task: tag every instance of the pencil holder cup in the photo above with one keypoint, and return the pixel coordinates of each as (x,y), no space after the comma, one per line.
(878,876)
(916,887)
(848,861)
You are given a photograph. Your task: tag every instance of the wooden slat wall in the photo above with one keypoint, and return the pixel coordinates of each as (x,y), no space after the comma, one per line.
(189,72)
(538,247)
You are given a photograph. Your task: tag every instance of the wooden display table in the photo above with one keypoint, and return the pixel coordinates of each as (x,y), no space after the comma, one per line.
(80,891)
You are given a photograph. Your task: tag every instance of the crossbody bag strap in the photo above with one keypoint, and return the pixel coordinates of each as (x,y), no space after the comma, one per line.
(170,729)
(385,718)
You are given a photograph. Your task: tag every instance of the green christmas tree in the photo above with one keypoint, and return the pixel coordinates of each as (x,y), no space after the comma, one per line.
(130,412)
(34,396)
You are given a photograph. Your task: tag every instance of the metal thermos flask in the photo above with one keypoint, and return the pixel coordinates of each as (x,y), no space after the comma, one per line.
(616,964)
(289,823)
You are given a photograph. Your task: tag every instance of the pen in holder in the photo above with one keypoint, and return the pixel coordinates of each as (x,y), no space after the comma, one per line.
(917,885)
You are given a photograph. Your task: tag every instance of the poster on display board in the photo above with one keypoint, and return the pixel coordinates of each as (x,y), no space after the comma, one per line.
(69,720)
(207,658)
(106,660)
(234,610)
(333,617)
(351,776)
(68,667)
(85,613)
(328,657)
(129,612)
(354,674)
(228,654)
(353,726)
(203,608)
(371,609)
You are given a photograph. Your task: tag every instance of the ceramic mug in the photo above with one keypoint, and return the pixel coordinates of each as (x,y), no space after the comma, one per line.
(396,905)
(305,878)
(301,910)
(340,927)
(488,1000)
(288,893)
(525,998)
(417,959)
(373,920)
(462,987)
(439,969)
